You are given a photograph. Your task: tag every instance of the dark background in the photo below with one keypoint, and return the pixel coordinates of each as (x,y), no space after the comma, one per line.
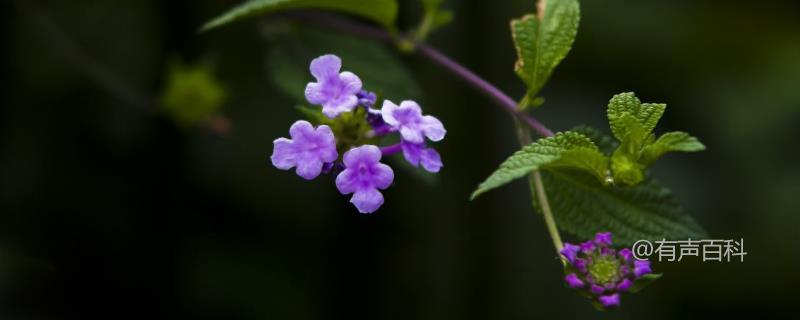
(109,210)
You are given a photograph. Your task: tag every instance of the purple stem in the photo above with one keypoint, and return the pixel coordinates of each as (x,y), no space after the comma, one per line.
(391,149)
(472,79)
(484,86)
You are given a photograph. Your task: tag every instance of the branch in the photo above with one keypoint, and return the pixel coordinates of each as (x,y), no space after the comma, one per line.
(466,75)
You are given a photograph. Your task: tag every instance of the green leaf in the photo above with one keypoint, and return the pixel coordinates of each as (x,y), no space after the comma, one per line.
(668,142)
(191,94)
(582,206)
(565,151)
(644,281)
(624,165)
(541,45)
(380,69)
(383,12)
(632,123)
(621,109)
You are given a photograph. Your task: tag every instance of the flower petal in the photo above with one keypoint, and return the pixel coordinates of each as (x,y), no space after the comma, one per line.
(431,160)
(570,251)
(301,131)
(347,181)
(351,83)
(433,128)
(283,154)
(573,281)
(411,151)
(382,176)
(315,94)
(411,135)
(603,238)
(326,143)
(609,300)
(332,108)
(412,107)
(366,153)
(624,285)
(325,67)
(367,200)
(387,111)
(597,289)
(641,268)
(309,166)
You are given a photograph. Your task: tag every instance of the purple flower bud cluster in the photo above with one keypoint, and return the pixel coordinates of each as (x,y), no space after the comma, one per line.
(313,151)
(599,271)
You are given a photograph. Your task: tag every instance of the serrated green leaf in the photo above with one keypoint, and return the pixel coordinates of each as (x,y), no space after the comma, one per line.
(606,143)
(383,12)
(632,123)
(380,70)
(619,108)
(646,114)
(541,45)
(624,161)
(589,160)
(649,114)
(564,151)
(668,142)
(582,206)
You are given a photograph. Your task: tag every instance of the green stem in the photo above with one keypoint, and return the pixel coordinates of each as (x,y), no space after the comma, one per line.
(541,194)
(538,191)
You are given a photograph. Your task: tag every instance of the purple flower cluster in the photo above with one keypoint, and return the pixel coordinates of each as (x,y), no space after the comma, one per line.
(600,272)
(312,151)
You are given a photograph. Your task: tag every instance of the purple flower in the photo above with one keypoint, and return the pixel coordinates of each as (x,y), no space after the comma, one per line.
(335,92)
(609,301)
(603,238)
(413,126)
(375,120)
(641,268)
(308,149)
(626,254)
(573,281)
(624,285)
(363,176)
(597,289)
(418,153)
(587,246)
(366,98)
(606,271)
(570,251)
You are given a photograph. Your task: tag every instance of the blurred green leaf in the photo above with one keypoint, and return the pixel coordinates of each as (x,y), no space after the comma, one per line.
(383,12)
(541,45)
(379,69)
(433,18)
(192,94)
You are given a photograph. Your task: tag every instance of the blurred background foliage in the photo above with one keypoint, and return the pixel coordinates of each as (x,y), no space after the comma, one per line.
(111,209)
